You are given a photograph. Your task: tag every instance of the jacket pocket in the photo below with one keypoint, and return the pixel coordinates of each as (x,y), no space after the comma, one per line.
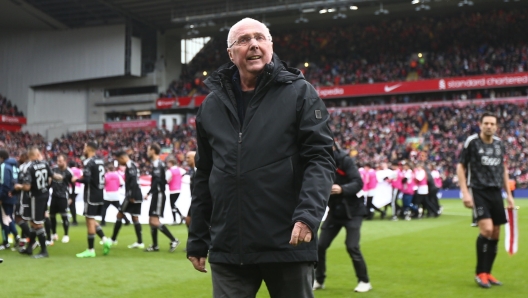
(224,216)
(268,203)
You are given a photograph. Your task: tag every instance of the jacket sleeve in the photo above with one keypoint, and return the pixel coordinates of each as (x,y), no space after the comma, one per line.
(201,205)
(314,140)
(5,184)
(355,183)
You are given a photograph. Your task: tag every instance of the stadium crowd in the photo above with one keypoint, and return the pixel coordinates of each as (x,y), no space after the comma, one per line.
(432,135)
(466,44)
(9,109)
(378,135)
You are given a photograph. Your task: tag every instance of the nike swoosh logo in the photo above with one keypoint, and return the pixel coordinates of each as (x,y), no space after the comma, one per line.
(389,89)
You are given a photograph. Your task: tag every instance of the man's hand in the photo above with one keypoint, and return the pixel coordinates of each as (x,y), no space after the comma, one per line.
(467,199)
(18,186)
(198,263)
(301,233)
(74,179)
(146,197)
(69,202)
(132,200)
(510,201)
(336,189)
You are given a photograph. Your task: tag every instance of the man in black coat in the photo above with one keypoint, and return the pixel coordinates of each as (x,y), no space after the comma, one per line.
(346,210)
(264,172)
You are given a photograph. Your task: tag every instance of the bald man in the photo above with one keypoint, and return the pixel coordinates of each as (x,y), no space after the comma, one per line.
(264,173)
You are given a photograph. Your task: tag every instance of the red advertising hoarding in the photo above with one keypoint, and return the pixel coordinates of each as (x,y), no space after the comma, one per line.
(13,120)
(12,123)
(166,103)
(422,86)
(130,124)
(425,86)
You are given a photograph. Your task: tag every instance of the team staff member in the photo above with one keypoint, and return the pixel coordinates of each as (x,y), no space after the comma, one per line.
(264,172)
(483,172)
(8,199)
(346,210)
(22,212)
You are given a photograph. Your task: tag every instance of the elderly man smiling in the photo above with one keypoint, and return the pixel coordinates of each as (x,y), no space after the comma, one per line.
(264,172)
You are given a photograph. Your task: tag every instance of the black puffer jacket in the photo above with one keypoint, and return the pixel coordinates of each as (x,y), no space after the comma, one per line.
(347,204)
(253,183)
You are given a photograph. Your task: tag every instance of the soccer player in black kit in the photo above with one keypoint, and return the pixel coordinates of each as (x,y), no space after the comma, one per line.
(157,205)
(22,212)
(483,172)
(37,180)
(62,191)
(94,182)
(133,199)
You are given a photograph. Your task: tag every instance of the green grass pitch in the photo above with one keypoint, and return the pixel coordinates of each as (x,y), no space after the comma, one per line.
(421,258)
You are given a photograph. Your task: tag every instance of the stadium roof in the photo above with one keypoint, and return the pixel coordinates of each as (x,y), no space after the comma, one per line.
(210,15)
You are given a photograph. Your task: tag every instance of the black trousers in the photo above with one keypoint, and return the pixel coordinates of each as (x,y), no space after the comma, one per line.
(433,198)
(371,206)
(425,202)
(73,209)
(329,231)
(284,280)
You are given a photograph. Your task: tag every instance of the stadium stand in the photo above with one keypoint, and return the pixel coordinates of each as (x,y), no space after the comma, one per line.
(461,45)
(416,131)
(9,109)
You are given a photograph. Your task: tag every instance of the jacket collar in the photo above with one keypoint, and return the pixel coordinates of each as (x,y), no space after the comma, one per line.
(221,81)
(275,70)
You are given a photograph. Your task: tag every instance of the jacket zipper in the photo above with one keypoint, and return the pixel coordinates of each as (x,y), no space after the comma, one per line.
(238,192)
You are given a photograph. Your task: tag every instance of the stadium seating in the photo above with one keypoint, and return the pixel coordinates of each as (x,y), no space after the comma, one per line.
(9,109)
(419,131)
(466,44)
